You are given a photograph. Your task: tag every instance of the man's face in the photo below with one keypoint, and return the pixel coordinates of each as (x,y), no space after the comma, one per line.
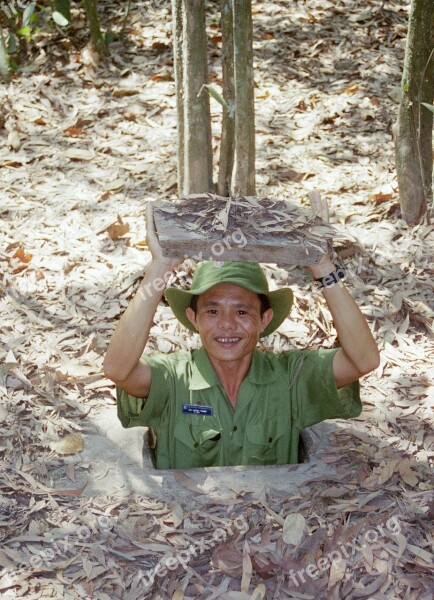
(229,321)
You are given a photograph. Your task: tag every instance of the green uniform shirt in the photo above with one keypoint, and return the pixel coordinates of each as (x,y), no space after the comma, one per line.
(196,425)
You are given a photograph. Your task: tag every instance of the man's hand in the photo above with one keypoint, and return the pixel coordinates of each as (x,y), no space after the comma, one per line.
(320,209)
(319,205)
(169,262)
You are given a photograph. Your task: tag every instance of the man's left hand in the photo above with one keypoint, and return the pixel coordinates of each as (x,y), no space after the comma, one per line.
(320,209)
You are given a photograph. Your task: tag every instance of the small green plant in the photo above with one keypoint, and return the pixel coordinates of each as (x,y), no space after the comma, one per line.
(19,26)
(59,19)
(25,25)
(62,12)
(428,106)
(22,27)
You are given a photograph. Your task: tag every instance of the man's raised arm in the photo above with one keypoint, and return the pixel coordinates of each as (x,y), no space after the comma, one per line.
(123,363)
(358,354)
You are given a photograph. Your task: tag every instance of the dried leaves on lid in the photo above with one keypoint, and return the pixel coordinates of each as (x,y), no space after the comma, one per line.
(257,218)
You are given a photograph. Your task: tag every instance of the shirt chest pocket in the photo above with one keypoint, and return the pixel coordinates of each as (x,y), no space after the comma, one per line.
(198,444)
(261,441)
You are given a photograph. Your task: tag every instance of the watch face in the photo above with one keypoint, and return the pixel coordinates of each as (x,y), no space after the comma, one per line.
(341,273)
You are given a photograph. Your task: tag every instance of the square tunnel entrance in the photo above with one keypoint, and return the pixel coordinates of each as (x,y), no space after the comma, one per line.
(306,445)
(121,460)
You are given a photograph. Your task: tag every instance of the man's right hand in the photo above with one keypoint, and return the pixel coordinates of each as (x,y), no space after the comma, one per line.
(123,363)
(154,245)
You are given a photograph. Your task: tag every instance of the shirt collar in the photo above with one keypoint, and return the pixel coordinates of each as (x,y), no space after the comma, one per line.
(203,375)
(261,370)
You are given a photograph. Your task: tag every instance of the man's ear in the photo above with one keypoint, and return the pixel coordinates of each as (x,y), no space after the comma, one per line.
(191,316)
(266,318)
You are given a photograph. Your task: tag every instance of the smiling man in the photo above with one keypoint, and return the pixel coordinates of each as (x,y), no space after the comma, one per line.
(228,403)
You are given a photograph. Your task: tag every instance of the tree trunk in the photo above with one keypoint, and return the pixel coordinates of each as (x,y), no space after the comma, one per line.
(194,134)
(243,181)
(179,78)
(4,58)
(64,8)
(98,42)
(413,129)
(227,144)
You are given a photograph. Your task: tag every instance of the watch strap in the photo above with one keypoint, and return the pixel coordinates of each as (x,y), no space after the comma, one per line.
(332,278)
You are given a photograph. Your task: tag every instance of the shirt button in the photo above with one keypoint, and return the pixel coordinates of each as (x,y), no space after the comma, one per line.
(234,428)
(196,444)
(270,440)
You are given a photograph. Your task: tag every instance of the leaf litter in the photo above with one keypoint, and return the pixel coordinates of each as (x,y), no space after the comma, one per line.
(88,146)
(209,213)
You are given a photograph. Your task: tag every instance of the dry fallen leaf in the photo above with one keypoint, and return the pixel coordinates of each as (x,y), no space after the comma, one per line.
(228,559)
(247,569)
(408,475)
(387,469)
(71,444)
(3,414)
(259,592)
(79,154)
(176,517)
(293,529)
(117,230)
(14,140)
(188,482)
(20,260)
(337,572)
(74,132)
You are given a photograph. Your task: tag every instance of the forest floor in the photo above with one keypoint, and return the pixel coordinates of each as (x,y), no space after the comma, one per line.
(85,144)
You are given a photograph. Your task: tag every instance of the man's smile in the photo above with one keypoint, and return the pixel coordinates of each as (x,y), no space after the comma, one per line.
(227,340)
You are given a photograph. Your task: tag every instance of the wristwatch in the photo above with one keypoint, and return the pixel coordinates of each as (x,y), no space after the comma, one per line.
(331,279)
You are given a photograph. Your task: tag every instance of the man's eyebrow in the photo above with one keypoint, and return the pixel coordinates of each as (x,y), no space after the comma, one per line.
(239,305)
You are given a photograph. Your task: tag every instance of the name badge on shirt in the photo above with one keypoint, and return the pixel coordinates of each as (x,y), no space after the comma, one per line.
(196,409)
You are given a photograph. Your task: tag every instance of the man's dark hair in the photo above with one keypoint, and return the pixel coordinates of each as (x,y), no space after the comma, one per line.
(265,304)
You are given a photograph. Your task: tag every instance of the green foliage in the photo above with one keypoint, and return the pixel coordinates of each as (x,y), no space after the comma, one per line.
(111,36)
(26,27)
(428,106)
(12,44)
(60,19)
(62,12)
(28,14)
(218,97)
(21,28)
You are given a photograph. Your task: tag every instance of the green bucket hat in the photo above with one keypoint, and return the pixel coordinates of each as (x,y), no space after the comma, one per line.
(247,275)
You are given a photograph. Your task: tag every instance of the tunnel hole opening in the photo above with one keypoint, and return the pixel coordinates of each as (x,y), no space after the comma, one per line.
(149,444)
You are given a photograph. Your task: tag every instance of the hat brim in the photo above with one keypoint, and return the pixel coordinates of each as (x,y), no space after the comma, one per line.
(280,301)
